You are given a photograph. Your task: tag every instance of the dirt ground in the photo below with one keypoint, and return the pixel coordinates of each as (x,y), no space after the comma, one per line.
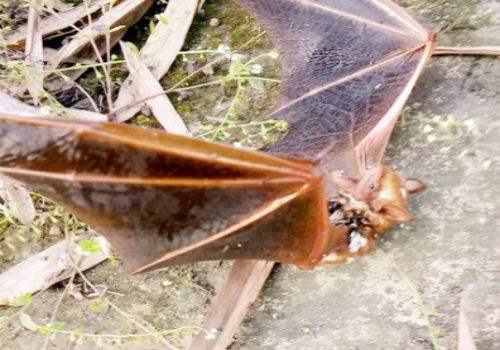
(405,295)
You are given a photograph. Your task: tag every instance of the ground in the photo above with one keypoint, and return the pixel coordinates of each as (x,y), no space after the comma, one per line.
(408,293)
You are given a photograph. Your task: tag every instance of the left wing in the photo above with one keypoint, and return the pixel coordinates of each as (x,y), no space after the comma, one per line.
(162,199)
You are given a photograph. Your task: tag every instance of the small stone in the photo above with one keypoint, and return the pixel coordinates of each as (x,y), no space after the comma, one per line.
(208,70)
(54,231)
(214,22)
(166,283)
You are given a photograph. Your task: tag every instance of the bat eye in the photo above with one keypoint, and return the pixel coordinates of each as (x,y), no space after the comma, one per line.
(333,207)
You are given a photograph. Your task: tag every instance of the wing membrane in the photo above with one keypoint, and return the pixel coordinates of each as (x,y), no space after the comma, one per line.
(345,64)
(161,198)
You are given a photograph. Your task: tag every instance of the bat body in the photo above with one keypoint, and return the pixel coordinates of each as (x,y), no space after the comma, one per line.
(349,67)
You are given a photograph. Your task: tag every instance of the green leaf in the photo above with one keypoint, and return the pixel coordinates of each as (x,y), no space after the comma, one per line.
(92,245)
(27,322)
(274,55)
(4,321)
(257,84)
(56,326)
(98,305)
(43,330)
(76,337)
(116,29)
(20,300)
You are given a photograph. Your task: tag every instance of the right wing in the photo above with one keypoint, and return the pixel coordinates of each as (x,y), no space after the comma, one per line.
(349,66)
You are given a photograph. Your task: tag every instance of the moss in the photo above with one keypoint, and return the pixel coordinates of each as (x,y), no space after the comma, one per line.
(184,107)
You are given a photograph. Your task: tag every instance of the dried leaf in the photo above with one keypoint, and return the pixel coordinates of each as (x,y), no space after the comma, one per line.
(46,268)
(123,15)
(53,24)
(18,199)
(10,105)
(161,106)
(34,52)
(159,51)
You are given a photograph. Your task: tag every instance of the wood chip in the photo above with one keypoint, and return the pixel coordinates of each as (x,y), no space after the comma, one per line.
(159,52)
(146,83)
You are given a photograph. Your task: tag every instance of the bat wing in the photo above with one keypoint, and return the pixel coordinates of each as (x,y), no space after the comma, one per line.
(348,68)
(163,199)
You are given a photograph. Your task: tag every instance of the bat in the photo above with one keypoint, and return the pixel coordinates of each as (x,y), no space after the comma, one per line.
(318,194)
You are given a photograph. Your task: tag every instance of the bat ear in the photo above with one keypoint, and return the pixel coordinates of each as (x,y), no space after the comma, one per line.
(414,186)
(392,211)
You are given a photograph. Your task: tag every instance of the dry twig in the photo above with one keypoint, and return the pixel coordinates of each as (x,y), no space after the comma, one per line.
(467,51)
(16,195)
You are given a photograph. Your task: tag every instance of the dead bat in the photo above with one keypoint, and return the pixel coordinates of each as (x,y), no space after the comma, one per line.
(349,67)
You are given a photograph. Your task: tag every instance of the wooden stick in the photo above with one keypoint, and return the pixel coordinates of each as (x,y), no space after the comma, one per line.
(471,51)
(244,282)
(46,268)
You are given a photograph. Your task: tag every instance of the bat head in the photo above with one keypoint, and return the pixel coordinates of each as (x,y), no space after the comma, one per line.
(367,207)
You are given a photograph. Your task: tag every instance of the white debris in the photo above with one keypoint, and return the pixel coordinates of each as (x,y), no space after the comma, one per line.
(357,242)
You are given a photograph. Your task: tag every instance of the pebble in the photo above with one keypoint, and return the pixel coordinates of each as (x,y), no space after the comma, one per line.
(214,22)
